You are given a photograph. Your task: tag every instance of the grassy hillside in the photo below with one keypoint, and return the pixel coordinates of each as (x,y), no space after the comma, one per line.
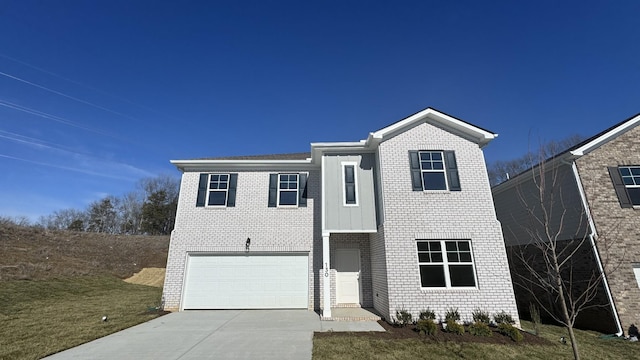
(34,254)
(55,287)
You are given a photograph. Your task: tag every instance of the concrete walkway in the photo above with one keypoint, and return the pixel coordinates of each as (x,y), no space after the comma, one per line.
(221,334)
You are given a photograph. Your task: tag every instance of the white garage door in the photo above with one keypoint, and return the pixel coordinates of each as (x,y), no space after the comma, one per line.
(251,281)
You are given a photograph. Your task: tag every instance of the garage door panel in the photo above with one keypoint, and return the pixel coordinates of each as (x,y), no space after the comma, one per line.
(246,282)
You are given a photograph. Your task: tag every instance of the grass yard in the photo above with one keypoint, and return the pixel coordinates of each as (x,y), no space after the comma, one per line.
(42,317)
(360,346)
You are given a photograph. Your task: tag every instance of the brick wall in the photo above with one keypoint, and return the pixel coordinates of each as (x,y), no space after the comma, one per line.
(200,229)
(618,228)
(379,285)
(467,214)
(354,241)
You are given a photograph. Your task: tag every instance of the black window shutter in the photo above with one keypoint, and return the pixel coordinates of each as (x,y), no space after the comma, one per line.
(273,190)
(231,197)
(416,177)
(302,190)
(202,190)
(618,185)
(452,171)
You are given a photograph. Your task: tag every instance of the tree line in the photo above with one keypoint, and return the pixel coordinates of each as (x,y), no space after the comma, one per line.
(149,209)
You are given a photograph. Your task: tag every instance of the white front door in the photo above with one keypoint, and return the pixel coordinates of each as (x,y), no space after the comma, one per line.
(347,276)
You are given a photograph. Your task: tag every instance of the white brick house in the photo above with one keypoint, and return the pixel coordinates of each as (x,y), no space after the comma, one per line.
(401,220)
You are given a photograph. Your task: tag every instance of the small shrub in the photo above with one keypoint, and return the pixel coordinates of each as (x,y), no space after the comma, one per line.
(426,327)
(403,318)
(481,316)
(427,314)
(452,314)
(480,329)
(503,318)
(454,327)
(510,331)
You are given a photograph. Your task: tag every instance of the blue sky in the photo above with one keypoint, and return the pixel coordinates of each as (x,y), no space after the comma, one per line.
(95,95)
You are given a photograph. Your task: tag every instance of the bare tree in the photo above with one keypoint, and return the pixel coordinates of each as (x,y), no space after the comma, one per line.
(555,243)
(62,219)
(130,212)
(501,170)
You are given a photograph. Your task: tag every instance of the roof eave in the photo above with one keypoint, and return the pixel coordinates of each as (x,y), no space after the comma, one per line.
(210,165)
(481,136)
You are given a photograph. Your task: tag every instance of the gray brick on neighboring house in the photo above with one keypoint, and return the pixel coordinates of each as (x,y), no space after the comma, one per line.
(618,229)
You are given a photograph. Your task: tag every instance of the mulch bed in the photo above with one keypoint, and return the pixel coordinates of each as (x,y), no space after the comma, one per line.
(397,333)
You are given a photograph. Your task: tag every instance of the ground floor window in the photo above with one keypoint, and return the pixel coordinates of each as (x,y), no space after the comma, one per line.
(446,263)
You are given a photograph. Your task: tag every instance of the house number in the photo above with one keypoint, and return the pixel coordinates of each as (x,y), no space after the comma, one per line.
(326,270)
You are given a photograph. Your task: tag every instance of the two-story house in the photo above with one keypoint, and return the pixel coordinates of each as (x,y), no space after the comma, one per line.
(403,220)
(590,198)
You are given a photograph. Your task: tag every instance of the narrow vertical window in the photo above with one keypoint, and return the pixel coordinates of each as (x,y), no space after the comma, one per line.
(349,176)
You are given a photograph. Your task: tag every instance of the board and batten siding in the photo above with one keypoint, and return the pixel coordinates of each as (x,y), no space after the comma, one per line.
(349,218)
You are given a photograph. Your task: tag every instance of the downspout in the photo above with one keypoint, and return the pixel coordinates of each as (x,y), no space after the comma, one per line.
(592,236)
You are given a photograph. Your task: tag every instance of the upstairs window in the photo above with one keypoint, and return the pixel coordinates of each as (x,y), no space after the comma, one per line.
(434,170)
(631,179)
(288,190)
(217,190)
(626,182)
(349,176)
(445,263)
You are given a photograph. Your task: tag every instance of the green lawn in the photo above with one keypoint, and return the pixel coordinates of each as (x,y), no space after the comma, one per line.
(39,318)
(358,347)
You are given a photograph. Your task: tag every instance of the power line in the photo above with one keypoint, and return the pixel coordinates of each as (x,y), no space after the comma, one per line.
(85,86)
(61,120)
(69,97)
(67,122)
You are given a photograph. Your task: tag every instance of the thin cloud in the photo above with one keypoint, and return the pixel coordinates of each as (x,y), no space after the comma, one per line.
(37,143)
(86,86)
(69,96)
(58,119)
(107,169)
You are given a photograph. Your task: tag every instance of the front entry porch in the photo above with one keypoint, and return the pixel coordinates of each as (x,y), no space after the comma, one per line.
(352,314)
(348,276)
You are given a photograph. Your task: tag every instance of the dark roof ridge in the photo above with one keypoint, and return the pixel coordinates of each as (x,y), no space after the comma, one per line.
(284,156)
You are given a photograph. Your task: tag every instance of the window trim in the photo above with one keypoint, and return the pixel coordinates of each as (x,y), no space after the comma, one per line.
(445,264)
(452,176)
(297,191)
(209,190)
(443,170)
(626,186)
(355,183)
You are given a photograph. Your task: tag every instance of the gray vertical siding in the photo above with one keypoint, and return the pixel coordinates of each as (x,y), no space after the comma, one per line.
(339,217)
(516,206)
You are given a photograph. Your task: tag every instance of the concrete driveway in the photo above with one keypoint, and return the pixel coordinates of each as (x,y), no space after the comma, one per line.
(221,334)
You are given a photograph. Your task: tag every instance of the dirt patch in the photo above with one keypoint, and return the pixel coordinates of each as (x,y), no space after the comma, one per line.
(148,276)
(30,253)
(409,332)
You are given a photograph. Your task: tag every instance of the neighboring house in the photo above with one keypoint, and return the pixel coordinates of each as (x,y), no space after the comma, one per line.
(403,220)
(597,198)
